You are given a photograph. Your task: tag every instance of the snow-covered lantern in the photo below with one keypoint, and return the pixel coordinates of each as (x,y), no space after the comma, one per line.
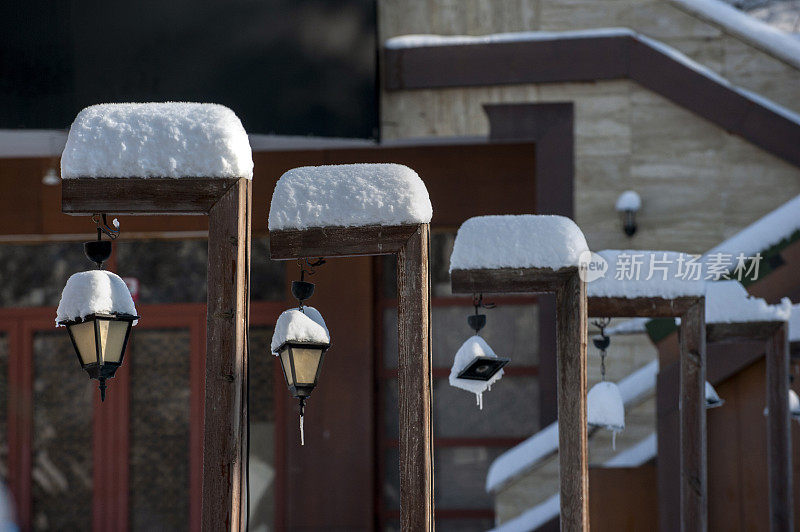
(604,405)
(628,204)
(97,309)
(476,366)
(794,405)
(712,397)
(301,339)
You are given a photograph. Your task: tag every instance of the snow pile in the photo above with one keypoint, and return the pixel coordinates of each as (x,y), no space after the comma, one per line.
(628,201)
(349,195)
(604,408)
(712,397)
(637,273)
(763,233)
(522,241)
(794,324)
(301,326)
(157,140)
(545,442)
(474,347)
(427,40)
(729,302)
(94,292)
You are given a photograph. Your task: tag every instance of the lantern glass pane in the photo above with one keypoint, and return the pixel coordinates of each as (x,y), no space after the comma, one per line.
(286,362)
(306,361)
(83,334)
(112,339)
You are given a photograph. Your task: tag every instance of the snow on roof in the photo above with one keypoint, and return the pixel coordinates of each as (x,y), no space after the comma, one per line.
(475,346)
(635,455)
(729,302)
(157,140)
(764,36)
(522,241)
(794,324)
(94,292)
(628,201)
(631,326)
(767,231)
(302,326)
(640,273)
(423,40)
(349,195)
(545,442)
(533,518)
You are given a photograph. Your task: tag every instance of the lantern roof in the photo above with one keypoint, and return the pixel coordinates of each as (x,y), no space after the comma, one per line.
(474,347)
(300,326)
(171,139)
(94,292)
(605,406)
(349,195)
(517,241)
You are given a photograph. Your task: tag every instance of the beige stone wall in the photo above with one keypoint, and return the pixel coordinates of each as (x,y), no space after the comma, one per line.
(699,184)
(740,61)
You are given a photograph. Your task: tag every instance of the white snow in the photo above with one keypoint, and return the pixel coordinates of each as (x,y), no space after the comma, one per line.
(774,41)
(545,442)
(302,326)
(171,139)
(94,292)
(533,518)
(349,195)
(712,397)
(521,241)
(628,201)
(604,407)
(631,326)
(794,324)
(475,346)
(794,405)
(425,40)
(641,273)
(635,455)
(729,302)
(764,232)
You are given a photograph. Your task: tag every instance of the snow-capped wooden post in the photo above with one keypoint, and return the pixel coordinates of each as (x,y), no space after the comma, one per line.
(540,254)
(190,159)
(733,315)
(648,284)
(374,209)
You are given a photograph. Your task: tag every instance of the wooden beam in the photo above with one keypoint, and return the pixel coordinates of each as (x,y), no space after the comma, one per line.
(136,195)
(639,307)
(573,454)
(509,280)
(754,330)
(226,357)
(694,485)
(779,439)
(339,241)
(414,381)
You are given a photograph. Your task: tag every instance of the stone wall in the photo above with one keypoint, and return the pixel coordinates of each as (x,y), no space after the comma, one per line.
(741,62)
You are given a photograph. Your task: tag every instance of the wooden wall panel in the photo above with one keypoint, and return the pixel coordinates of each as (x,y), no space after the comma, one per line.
(623,498)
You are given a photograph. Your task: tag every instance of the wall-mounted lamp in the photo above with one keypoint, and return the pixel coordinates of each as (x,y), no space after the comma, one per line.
(628,204)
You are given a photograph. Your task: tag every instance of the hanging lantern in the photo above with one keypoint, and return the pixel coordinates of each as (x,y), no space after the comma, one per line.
(712,398)
(476,366)
(794,405)
(604,405)
(97,309)
(300,340)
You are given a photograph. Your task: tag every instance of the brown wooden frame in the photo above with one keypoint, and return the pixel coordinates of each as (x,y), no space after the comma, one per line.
(227,202)
(693,448)
(571,318)
(411,244)
(779,434)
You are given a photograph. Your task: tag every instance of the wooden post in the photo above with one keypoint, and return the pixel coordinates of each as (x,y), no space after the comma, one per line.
(414,380)
(694,486)
(226,358)
(572,317)
(779,445)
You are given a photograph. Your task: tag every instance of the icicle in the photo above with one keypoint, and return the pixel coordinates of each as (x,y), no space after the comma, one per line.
(614,440)
(480,400)
(302,434)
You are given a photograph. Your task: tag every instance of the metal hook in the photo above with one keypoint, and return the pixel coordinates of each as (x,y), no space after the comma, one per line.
(602,343)
(311,265)
(104,228)
(477,302)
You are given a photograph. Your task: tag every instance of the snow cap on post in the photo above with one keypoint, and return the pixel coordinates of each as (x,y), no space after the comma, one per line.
(517,241)
(301,326)
(349,195)
(474,347)
(94,292)
(729,302)
(639,273)
(169,139)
